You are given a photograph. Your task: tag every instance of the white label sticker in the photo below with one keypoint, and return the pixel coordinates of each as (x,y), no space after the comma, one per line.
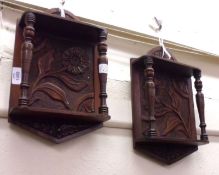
(103,68)
(16,75)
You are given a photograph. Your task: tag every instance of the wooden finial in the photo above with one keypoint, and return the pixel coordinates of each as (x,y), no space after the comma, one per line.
(103,70)
(26,56)
(200,104)
(150,95)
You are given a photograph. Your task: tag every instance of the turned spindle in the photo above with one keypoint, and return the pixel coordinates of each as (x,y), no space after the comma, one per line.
(103,68)
(200,104)
(150,95)
(26,56)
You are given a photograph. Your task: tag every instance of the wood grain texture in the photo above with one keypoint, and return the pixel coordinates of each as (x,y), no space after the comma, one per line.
(163,109)
(60,80)
(62,73)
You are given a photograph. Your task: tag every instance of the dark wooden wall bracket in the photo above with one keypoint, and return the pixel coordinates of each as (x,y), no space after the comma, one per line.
(62,92)
(163,109)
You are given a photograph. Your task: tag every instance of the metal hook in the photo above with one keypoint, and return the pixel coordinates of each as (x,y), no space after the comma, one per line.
(161,42)
(159,23)
(62,2)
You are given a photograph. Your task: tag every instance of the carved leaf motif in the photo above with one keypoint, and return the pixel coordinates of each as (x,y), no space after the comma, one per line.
(161,112)
(33,100)
(182,130)
(174,100)
(160,109)
(171,124)
(71,83)
(181,89)
(44,62)
(54,92)
(40,44)
(86,103)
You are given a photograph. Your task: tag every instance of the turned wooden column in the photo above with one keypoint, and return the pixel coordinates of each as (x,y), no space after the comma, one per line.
(200,104)
(103,69)
(26,56)
(150,95)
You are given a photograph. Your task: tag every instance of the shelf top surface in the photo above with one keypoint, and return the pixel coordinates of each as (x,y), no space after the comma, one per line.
(56,25)
(167,65)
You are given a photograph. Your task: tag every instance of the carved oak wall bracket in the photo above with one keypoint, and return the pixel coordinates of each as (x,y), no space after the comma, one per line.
(60,90)
(163,109)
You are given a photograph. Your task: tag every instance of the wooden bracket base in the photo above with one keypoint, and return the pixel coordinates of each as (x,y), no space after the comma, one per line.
(57,131)
(57,128)
(168,153)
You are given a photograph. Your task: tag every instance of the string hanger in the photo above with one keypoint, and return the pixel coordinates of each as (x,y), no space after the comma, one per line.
(61,7)
(157,29)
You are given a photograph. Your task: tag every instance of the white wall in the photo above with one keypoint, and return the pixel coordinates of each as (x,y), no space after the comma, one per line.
(189,22)
(119,53)
(105,151)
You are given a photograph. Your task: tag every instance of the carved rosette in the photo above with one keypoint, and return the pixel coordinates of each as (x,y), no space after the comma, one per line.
(75,60)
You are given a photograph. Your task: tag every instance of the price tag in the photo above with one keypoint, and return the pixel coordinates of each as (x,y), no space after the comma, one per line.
(103,68)
(16,75)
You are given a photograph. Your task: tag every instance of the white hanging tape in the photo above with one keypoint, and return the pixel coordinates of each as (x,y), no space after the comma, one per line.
(61,7)
(164,48)
(158,31)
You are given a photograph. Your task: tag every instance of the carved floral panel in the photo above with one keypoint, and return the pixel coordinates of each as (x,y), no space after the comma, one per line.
(62,75)
(173,106)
